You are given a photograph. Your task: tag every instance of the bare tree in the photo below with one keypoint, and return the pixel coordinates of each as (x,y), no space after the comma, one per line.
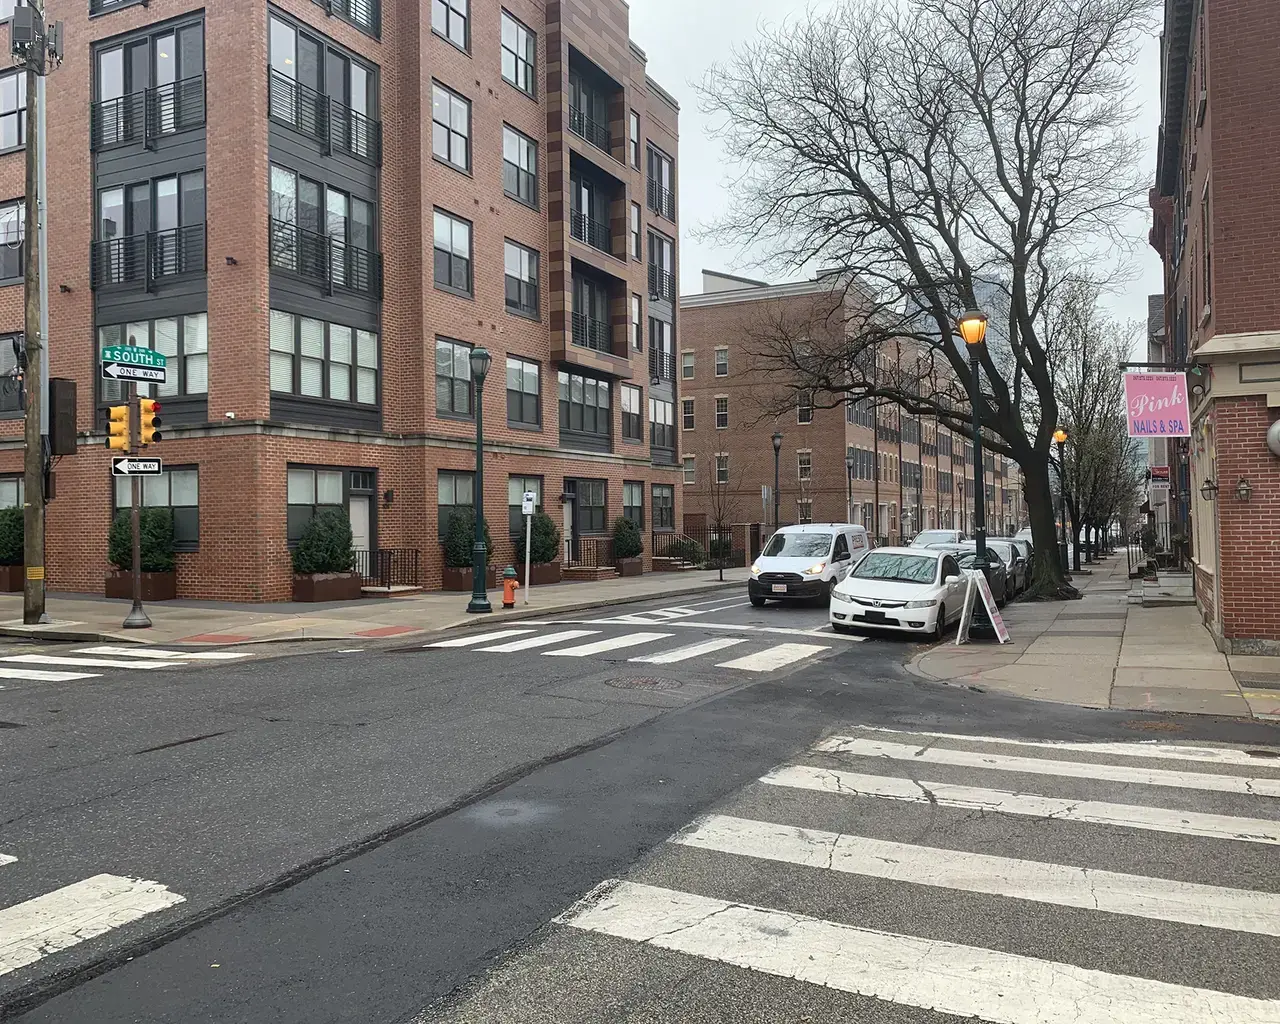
(936,151)
(724,510)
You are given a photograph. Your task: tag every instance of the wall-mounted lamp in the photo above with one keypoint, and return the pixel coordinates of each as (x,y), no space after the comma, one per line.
(232,261)
(1209,490)
(65,289)
(388,496)
(1197,390)
(1243,491)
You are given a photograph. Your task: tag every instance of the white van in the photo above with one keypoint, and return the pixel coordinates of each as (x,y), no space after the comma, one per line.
(806,561)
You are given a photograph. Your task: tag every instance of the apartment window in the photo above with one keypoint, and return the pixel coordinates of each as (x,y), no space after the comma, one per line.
(13,110)
(633,502)
(149,86)
(449,19)
(661,267)
(632,404)
(722,412)
(177,489)
(686,411)
(633,138)
(12,491)
(722,362)
(1206,239)
(519,166)
(521,266)
(804,466)
(452,253)
(661,342)
(722,469)
(316,359)
(686,366)
(183,340)
(664,507)
(804,408)
(13,233)
(455,492)
(363,14)
(450,126)
(12,392)
(584,404)
(635,231)
(519,47)
(804,510)
(637,325)
(690,470)
(309,491)
(453,378)
(662,429)
(524,392)
(317,231)
(516,487)
(661,197)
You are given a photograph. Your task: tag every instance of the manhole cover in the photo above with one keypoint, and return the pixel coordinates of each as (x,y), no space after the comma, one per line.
(1155,726)
(646,683)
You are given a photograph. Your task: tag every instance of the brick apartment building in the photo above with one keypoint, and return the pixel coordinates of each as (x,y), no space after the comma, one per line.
(1216,206)
(250,187)
(909,473)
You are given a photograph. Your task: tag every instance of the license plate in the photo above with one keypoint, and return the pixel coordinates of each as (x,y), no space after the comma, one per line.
(875,616)
(779,588)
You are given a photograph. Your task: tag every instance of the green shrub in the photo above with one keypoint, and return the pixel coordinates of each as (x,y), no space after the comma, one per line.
(544,540)
(325,544)
(12,534)
(460,538)
(627,542)
(155,531)
(688,550)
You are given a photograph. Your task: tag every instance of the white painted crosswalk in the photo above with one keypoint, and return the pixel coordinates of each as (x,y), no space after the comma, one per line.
(88,662)
(856,869)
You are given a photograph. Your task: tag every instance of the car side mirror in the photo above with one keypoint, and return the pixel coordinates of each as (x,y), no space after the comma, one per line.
(951,579)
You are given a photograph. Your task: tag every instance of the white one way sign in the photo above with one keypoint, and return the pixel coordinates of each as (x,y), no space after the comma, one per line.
(127,465)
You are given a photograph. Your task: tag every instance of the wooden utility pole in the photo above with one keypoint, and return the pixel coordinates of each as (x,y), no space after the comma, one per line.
(35,463)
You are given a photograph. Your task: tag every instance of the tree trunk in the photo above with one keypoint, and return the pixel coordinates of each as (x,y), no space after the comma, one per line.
(1048,582)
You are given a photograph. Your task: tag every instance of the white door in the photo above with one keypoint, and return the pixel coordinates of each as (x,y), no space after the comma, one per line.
(359,515)
(566,533)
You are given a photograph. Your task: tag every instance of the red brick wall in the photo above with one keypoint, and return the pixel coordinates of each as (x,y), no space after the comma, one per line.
(1205,594)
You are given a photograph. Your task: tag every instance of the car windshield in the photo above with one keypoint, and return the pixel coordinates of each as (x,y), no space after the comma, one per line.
(885,565)
(798,545)
(969,557)
(933,537)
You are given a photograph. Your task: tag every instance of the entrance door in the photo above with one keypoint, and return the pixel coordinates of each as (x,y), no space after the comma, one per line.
(566,531)
(359,514)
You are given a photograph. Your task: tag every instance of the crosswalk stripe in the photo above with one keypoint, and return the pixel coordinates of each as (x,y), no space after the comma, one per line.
(545,640)
(945,977)
(7,858)
(1154,819)
(478,638)
(691,651)
(49,659)
(35,675)
(162,655)
(1209,906)
(74,913)
(774,657)
(1152,749)
(1041,766)
(612,643)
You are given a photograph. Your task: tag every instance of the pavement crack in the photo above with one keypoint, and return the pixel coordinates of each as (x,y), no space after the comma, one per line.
(928,793)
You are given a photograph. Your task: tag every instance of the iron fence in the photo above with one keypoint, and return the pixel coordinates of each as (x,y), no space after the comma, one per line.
(704,546)
(389,567)
(1158,544)
(593,131)
(589,553)
(147,115)
(148,257)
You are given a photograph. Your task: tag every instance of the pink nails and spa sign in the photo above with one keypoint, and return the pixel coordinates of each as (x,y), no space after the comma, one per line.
(1157,404)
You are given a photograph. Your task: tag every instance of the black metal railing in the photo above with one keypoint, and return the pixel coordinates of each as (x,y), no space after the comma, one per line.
(594,232)
(721,547)
(662,285)
(662,200)
(593,131)
(589,332)
(1158,545)
(102,6)
(331,262)
(365,14)
(332,124)
(147,115)
(662,365)
(589,553)
(389,567)
(147,258)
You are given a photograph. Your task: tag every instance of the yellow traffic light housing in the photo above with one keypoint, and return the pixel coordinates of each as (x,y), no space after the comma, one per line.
(149,421)
(118,428)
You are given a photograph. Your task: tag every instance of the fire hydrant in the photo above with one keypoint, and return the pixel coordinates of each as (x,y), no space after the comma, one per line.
(509,587)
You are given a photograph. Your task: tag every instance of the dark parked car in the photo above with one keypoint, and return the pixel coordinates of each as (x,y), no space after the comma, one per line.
(997,573)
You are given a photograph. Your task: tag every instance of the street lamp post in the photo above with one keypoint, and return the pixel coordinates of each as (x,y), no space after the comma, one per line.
(848,482)
(1060,437)
(479,603)
(973,329)
(777,451)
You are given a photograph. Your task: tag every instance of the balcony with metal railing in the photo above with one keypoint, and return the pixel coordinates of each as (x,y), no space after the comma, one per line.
(581,124)
(335,126)
(662,201)
(328,261)
(588,332)
(662,284)
(148,258)
(662,365)
(363,14)
(594,232)
(148,115)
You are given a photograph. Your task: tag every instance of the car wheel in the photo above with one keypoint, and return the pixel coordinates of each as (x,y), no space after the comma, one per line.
(940,626)
(756,600)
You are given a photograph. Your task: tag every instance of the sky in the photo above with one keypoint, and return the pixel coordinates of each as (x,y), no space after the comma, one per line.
(682,38)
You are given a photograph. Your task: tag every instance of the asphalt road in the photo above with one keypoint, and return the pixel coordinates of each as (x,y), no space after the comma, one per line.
(357,833)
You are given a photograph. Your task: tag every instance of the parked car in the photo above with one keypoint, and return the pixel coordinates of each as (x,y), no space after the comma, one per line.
(806,561)
(997,572)
(910,590)
(1028,553)
(927,537)
(1015,562)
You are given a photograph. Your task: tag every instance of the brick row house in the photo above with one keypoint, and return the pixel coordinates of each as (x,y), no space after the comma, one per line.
(316,210)
(1216,225)
(893,473)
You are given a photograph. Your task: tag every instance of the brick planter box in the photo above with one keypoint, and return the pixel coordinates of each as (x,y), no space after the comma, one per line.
(330,586)
(12,579)
(630,566)
(156,586)
(459,580)
(542,574)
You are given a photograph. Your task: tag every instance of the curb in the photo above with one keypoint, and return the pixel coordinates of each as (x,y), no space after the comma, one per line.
(69,635)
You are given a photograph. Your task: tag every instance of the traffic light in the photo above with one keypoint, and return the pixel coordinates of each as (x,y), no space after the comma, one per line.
(149,421)
(118,428)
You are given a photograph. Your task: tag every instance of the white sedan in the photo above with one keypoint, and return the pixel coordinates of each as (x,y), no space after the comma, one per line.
(910,590)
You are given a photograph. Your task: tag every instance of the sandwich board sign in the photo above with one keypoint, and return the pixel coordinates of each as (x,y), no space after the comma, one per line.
(980,590)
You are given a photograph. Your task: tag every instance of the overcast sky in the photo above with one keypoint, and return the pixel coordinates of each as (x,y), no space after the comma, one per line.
(683,37)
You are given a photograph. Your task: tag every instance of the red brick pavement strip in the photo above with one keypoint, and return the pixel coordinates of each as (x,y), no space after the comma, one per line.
(390,631)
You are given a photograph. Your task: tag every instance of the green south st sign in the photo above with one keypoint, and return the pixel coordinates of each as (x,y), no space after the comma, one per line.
(130,355)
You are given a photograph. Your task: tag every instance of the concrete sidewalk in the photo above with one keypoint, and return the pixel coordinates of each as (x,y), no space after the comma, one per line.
(1102,652)
(86,618)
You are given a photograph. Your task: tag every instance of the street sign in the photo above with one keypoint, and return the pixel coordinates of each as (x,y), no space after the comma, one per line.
(528,503)
(127,465)
(128,362)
